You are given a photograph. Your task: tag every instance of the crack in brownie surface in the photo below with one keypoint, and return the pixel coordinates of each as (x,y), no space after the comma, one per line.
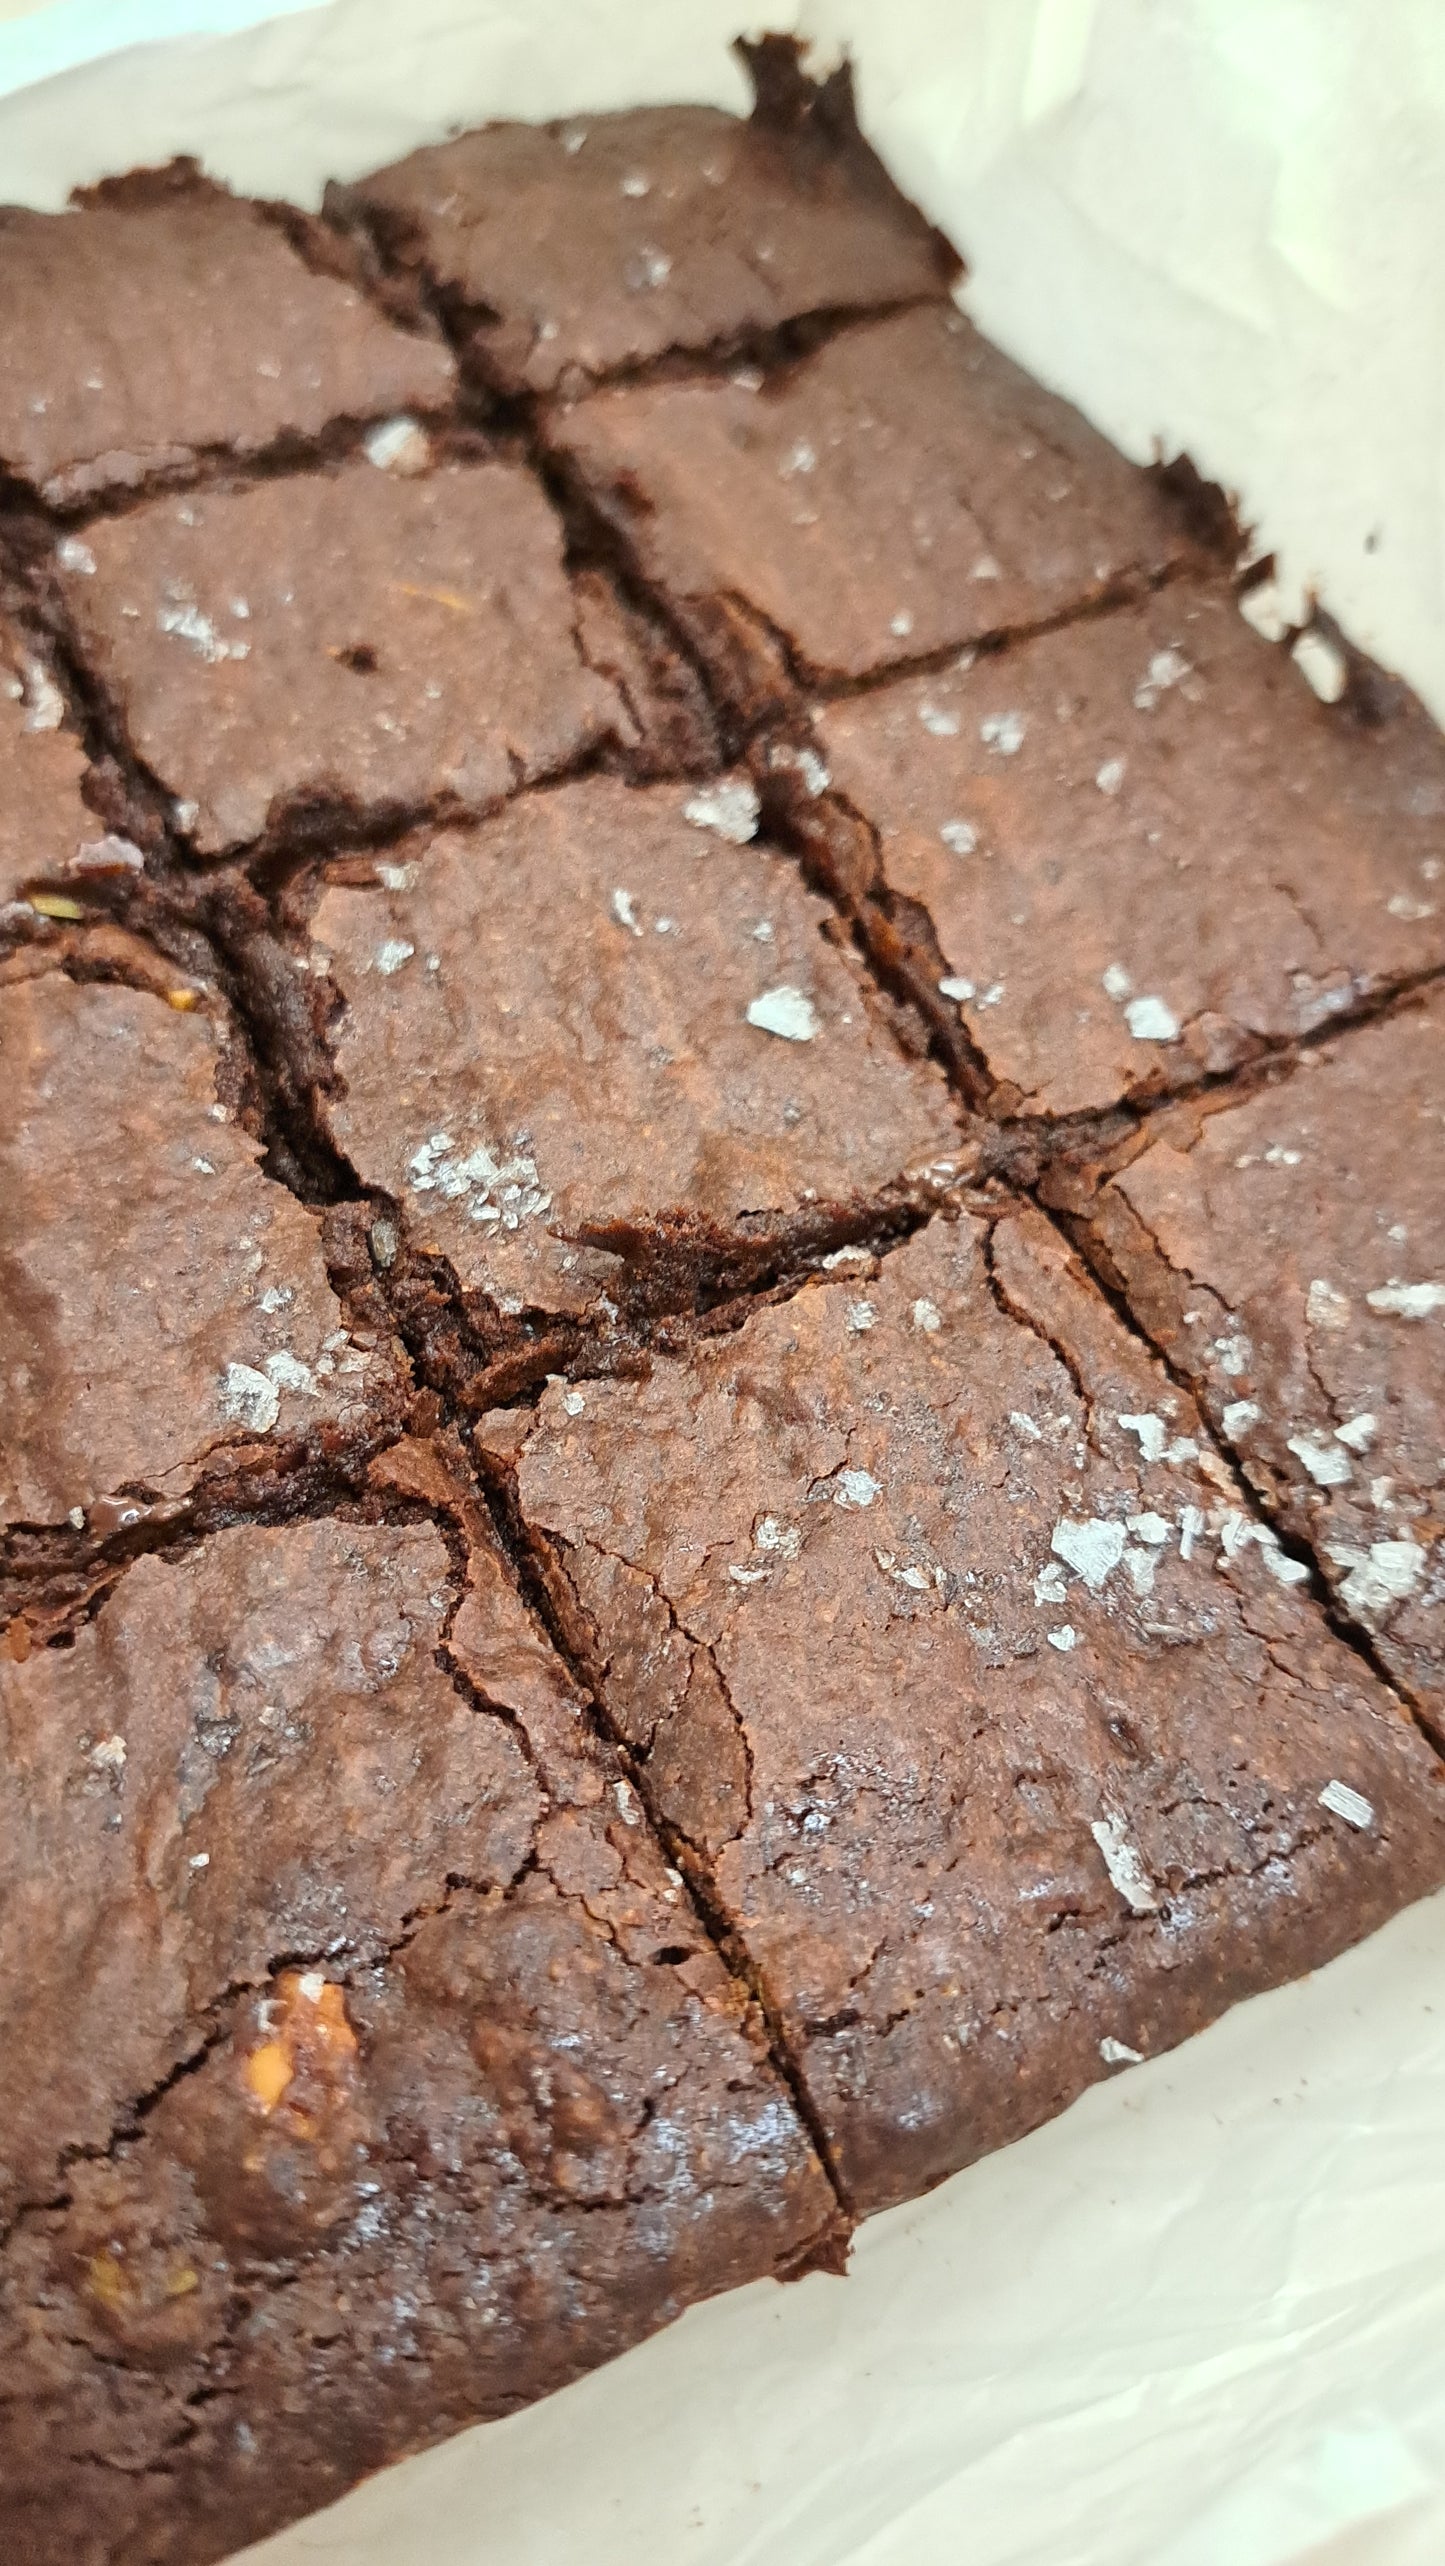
(992,1722)
(579,248)
(1144,849)
(473,2104)
(601,1048)
(350,644)
(169,1317)
(903,490)
(1288,1254)
(162,319)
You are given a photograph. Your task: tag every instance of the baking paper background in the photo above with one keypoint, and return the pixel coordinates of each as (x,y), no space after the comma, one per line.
(1200,2321)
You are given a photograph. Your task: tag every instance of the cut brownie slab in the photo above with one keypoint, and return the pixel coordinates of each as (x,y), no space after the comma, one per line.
(606,1048)
(169,1319)
(394,2078)
(1008,1744)
(903,490)
(164,319)
(1288,1253)
(571,250)
(1128,854)
(342,643)
(44,821)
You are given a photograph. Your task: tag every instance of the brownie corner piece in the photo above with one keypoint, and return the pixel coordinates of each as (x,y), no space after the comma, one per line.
(173,1337)
(496,2113)
(571,251)
(1286,1248)
(609,1052)
(900,491)
(162,319)
(1011,1747)
(353,645)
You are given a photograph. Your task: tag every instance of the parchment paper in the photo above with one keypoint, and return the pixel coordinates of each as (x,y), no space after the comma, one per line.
(1200,2321)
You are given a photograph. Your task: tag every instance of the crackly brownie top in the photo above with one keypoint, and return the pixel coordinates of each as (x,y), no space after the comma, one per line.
(600,1011)
(1146,847)
(164,1297)
(251,1751)
(44,821)
(999,1726)
(903,489)
(601,243)
(466,2068)
(1290,1253)
(352,640)
(164,317)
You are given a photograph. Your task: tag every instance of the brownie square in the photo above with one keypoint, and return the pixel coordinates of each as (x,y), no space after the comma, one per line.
(570,251)
(1127,855)
(44,821)
(169,1317)
(1288,1254)
(607,1051)
(903,490)
(349,643)
(1005,1740)
(394,2079)
(163,320)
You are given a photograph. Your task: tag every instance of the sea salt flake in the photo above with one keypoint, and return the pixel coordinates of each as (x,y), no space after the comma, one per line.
(1322,666)
(1117,2053)
(1063,1639)
(749,1576)
(1239,1416)
(1155,1529)
(729,809)
(249,1398)
(391,955)
(288,1374)
(959,836)
(926,1317)
(939,724)
(860,1317)
(1328,1467)
(1004,732)
(799,458)
(1326,1307)
(1408,1300)
(109,1753)
(1152,1431)
(1191,1527)
(1116,980)
(636,184)
(785,1539)
(624,910)
(187,623)
(1352,1806)
(901,624)
(1400,905)
(1093,1549)
(1384,1575)
(1110,779)
(959,990)
(856,1488)
(785,1011)
(1025,1426)
(76,556)
(1150,1020)
(1124,1864)
(1358,1432)
(398,445)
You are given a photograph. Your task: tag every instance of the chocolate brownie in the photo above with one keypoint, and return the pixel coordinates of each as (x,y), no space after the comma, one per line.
(354,642)
(1006,1741)
(904,490)
(1288,1253)
(44,821)
(392,2076)
(606,1050)
(570,251)
(1128,854)
(163,320)
(169,1318)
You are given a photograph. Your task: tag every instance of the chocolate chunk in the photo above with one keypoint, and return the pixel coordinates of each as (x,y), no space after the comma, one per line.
(162,322)
(606,1046)
(344,643)
(1288,1252)
(1023,1748)
(902,491)
(1144,850)
(169,1317)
